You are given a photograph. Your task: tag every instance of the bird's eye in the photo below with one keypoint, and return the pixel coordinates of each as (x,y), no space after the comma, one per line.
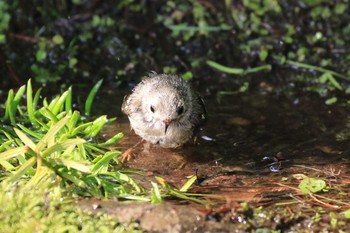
(152,108)
(180,110)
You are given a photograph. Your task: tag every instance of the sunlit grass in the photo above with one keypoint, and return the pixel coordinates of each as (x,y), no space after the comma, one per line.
(55,139)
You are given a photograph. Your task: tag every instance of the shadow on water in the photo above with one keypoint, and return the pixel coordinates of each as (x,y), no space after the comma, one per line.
(250,143)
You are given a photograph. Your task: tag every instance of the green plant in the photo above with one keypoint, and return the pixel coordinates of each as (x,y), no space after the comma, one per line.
(312,185)
(240,71)
(60,144)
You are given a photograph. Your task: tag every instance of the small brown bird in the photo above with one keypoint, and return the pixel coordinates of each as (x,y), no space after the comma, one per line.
(165,110)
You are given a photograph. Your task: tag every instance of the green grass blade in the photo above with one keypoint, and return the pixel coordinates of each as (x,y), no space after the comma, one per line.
(8,135)
(68,103)
(8,108)
(109,188)
(21,158)
(7,144)
(110,185)
(53,102)
(156,196)
(45,104)
(95,185)
(36,99)
(183,196)
(136,198)
(12,104)
(72,123)
(91,97)
(112,140)
(61,115)
(51,134)
(58,106)
(83,154)
(334,82)
(225,69)
(241,71)
(91,148)
(81,128)
(23,169)
(13,152)
(73,178)
(17,99)
(30,132)
(258,69)
(188,184)
(43,125)
(96,126)
(8,166)
(102,163)
(320,69)
(25,139)
(83,166)
(57,147)
(122,177)
(46,112)
(30,104)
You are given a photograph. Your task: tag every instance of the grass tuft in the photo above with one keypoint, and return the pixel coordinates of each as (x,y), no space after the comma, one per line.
(53,140)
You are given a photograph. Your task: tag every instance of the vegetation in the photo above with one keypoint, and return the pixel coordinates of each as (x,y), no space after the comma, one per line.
(128,38)
(57,144)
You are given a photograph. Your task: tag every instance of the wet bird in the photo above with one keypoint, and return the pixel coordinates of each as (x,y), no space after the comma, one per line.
(164,109)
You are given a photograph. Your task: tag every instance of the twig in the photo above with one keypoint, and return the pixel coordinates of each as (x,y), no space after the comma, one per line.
(323,203)
(24,37)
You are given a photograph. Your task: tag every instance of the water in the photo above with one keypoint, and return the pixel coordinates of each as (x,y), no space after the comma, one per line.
(254,148)
(249,134)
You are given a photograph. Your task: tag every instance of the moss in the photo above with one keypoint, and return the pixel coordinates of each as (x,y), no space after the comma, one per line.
(44,210)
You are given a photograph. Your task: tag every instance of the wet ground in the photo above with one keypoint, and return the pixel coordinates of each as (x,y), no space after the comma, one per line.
(254,149)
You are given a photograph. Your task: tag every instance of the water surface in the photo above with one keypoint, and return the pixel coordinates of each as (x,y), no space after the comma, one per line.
(252,149)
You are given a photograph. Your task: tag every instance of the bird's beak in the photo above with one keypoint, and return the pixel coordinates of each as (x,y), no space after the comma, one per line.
(167,123)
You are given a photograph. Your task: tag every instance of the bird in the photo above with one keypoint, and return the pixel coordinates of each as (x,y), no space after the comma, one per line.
(164,109)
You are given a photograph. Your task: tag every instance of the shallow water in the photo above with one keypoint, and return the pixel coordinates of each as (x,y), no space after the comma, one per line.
(251,143)
(249,131)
